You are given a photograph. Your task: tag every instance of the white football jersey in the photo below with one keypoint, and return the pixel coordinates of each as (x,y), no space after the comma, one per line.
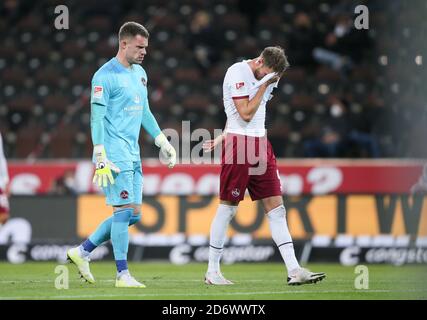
(240,82)
(4,175)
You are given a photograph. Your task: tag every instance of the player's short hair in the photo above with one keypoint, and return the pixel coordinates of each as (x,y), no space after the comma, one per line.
(131,29)
(275,58)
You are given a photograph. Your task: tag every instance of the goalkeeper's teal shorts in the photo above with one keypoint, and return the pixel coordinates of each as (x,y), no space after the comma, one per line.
(127,187)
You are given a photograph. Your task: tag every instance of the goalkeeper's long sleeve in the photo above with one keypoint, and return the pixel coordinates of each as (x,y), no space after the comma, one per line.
(97,123)
(149,123)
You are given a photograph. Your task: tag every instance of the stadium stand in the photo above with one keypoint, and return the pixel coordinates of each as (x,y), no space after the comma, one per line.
(349,93)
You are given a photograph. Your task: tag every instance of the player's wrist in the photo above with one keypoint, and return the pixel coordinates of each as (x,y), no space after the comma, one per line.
(221,137)
(99,153)
(161,141)
(98,148)
(264,86)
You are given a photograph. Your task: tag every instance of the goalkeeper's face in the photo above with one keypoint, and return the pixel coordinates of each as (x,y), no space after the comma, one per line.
(135,49)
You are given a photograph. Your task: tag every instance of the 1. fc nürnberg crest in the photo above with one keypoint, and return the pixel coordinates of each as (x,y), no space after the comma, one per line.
(235,193)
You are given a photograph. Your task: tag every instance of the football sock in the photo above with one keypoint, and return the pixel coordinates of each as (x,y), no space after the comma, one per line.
(218,233)
(102,234)
(134,219)
(120,237)
(122,267)
(86,248)
(282,237)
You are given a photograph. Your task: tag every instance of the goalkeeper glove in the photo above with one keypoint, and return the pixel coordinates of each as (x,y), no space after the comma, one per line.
(103,167)
(167,149)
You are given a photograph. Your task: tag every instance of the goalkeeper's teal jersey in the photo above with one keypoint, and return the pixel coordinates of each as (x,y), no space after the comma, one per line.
(119,106)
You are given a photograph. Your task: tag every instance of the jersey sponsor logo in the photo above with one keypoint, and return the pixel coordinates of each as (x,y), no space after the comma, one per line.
(144,82)
(124,194)
(235,193)
(240,85)
(133,108)
(98,91)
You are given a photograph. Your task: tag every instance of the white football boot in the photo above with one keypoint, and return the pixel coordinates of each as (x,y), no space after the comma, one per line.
(125,280)
(304,276)
(82,263)
(216,278)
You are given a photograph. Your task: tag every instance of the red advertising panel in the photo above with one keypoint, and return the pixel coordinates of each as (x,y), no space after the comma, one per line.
(298,177)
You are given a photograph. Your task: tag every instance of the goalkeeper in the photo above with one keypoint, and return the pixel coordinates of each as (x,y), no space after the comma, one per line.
(119,107)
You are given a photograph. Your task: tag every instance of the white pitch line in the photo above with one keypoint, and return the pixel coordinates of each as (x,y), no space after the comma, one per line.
(206,294)
(145,280)
(196,280)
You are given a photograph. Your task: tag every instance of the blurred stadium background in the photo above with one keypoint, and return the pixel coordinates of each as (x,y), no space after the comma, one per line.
(348,122)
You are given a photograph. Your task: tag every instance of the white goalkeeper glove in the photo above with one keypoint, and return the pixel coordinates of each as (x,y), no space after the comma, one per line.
(167,149)
(103,167)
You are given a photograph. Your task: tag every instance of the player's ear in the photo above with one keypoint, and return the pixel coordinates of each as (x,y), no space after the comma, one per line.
(260,61)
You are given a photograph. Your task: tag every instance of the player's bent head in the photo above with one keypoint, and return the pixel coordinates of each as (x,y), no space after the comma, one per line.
(275,59)
(133,41)
(131,29)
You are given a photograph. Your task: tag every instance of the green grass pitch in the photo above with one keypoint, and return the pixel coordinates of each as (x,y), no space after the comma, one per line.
(164,281)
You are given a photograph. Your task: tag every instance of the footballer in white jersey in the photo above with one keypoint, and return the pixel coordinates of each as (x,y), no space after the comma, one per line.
(247,88)
(240,83)
(248,162)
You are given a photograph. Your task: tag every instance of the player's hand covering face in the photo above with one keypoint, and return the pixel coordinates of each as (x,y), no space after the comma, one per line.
(103,168)
(262,70)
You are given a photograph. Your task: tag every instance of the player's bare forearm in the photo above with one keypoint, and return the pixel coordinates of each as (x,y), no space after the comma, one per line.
(254,104)
(247,108)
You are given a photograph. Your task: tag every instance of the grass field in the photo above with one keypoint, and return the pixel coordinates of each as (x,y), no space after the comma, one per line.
(252,281)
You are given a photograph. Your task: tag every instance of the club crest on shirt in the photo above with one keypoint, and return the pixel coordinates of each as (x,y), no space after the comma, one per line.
(240,85)
(98,91)
(235,193)
(124,194)
(144,82)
